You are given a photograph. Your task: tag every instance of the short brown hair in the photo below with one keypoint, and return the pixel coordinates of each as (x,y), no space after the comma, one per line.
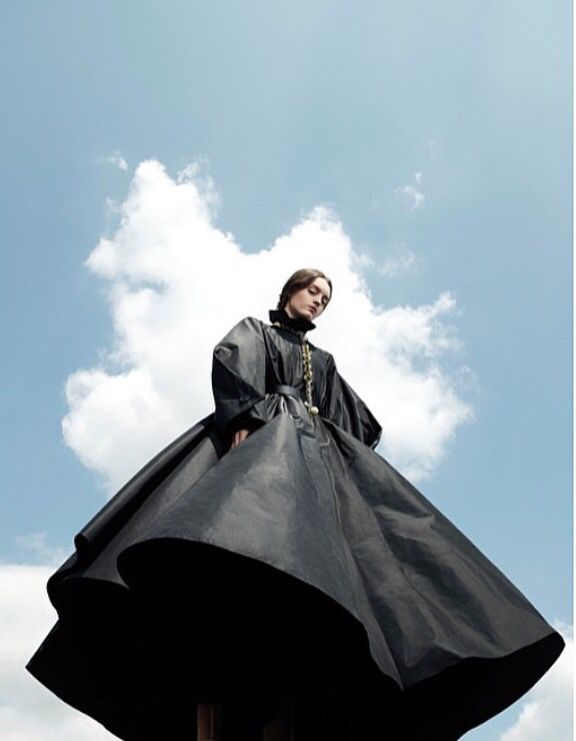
(298,280)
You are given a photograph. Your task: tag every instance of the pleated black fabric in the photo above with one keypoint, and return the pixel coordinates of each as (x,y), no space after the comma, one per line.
(299,564)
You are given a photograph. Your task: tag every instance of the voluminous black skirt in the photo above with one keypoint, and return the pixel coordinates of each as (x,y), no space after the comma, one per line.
(298,565)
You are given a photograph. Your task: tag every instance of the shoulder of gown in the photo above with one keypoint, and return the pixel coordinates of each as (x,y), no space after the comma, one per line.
(343,406)
(239,376)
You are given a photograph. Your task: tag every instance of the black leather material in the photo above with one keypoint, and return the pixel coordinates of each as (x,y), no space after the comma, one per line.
(298,564)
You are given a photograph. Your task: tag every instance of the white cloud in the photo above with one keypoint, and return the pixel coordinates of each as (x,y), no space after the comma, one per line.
(28,711)
(415,195)
(177,283)
(403,259)
(37,550)
(117,160)
(546,712)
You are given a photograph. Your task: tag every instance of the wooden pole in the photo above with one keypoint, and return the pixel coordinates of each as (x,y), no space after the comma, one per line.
(280,727)
(209,721)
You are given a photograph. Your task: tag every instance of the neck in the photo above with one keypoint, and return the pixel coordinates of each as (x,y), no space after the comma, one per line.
(288,311)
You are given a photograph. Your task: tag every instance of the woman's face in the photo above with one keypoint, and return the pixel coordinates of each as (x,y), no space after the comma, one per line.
(310,302)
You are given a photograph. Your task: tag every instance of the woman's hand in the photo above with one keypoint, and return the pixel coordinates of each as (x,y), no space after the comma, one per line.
(239,437)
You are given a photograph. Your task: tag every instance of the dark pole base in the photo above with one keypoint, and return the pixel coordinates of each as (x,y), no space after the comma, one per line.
(302,719)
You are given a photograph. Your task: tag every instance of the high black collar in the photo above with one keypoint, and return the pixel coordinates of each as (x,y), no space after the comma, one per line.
(296,325)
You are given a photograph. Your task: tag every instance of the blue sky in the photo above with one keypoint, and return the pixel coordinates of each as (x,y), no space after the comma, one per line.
(356,106)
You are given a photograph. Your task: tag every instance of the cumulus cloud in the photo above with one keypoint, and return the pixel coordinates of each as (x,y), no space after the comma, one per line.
(546,712)
(28,711)
(176,283)
(414,193)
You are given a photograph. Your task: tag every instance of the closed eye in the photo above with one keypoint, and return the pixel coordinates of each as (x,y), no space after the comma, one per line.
(315,292)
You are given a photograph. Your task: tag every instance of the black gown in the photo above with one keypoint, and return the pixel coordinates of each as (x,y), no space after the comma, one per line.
(299,564)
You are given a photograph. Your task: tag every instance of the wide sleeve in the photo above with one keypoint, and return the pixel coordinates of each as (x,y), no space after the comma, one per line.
(239,378)
(343,406)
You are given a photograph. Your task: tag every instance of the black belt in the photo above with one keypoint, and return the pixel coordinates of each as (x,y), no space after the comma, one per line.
(283,388)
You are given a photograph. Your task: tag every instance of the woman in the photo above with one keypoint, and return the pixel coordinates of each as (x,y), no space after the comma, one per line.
(270,561)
